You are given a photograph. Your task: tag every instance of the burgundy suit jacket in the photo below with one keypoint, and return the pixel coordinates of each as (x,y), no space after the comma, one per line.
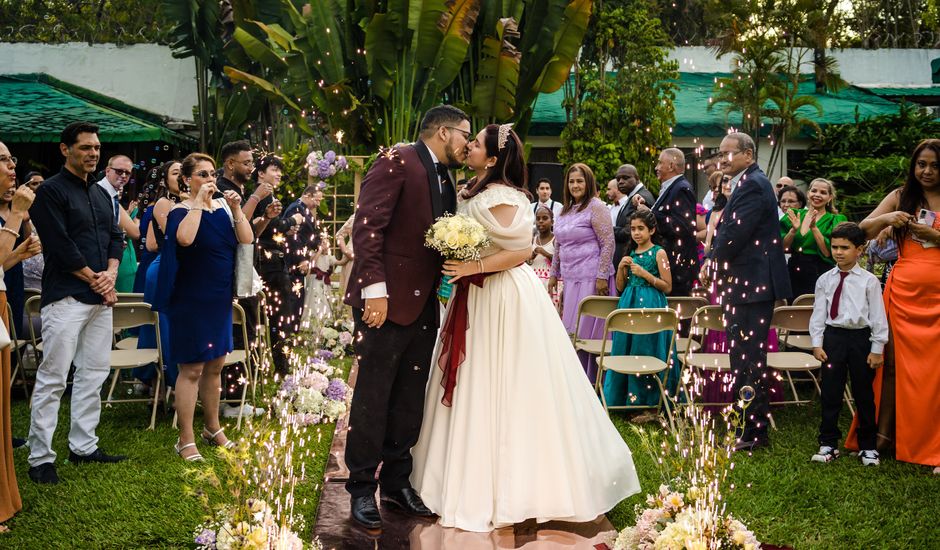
(398,201)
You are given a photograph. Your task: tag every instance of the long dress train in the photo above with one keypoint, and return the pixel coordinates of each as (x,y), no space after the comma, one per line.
(526,436)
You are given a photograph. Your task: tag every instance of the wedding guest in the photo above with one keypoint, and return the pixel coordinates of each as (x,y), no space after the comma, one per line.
(195,289)
(584,247)
(709,167)
(82,246)
(543,250)
(304,242)
(345,245)
(616,199)
(543,190)
(713,217)
(643,279)
(747,265)
(116,176)
(806,233)
(778,189)
(911,300)
(26,246)
(273,232)
(849,331)
(33,180)
(10,502)
(790,197)
(318,300)
(675,218)
(630,185)
(169,191)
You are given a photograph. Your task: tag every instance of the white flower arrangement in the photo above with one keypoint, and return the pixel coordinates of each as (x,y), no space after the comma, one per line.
(674,520)
(457,237)
(310,396)
(257,531)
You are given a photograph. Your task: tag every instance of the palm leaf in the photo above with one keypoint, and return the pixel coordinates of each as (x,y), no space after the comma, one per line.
(456,25)
(494,95)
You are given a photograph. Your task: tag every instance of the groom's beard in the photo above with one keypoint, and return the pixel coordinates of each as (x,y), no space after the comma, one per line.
(450,152)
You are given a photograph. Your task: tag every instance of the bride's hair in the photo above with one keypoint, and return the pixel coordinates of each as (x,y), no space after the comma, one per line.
(510,168)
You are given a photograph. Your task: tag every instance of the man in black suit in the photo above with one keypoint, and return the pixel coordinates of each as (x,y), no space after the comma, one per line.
(751,274)
(675,220)
(628,182)
(392,293)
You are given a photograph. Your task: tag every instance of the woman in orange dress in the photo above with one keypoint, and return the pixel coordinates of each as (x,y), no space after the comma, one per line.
(912,300)
(10,502)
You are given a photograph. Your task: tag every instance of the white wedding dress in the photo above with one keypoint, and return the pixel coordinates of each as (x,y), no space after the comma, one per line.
(526,436)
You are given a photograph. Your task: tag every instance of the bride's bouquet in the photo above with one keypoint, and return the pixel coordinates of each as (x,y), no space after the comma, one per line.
(457,237)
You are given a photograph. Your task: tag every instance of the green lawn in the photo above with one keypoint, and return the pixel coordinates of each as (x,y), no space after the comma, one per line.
(785,499)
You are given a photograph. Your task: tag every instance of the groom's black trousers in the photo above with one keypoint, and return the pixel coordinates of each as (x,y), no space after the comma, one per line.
(388,400)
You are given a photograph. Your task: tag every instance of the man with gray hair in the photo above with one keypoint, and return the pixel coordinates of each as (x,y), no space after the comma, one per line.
(675,220)
(750,272)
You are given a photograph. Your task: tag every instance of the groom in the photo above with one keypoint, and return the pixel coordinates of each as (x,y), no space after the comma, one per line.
(392,292)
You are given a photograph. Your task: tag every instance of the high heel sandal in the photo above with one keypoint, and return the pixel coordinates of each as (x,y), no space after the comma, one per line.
(209,438)
(191,458)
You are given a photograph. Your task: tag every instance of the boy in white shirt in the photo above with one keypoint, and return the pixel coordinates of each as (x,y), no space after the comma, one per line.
(849,330)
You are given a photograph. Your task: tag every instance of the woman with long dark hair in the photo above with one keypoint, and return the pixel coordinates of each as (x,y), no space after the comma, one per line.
(520,391)
(584,249)
(912,301)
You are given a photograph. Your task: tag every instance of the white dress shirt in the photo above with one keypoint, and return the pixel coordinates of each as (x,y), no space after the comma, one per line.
(112,192)
(860,306)
(615,209)
(708,201)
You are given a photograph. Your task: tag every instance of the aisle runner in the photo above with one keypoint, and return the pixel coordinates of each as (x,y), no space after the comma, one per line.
(335,529)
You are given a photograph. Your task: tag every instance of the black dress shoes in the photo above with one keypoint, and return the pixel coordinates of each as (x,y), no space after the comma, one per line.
(409,502)
(44,473)
(365,512)
(97,456)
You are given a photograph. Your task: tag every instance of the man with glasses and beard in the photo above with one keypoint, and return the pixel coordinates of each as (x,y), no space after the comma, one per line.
(392,292)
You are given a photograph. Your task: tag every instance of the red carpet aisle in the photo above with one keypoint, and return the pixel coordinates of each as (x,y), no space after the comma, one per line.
(335,530)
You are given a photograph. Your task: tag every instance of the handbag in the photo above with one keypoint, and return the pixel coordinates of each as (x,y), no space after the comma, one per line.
(247,280)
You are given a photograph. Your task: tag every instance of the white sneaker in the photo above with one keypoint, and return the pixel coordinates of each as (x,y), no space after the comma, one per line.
(232,411)
(869,458)
(826,454)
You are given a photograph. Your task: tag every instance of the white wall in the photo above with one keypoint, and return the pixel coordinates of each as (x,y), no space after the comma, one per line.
(143,75)
(883,67)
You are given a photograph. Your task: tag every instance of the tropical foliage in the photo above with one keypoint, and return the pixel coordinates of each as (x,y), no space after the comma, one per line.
(363,72)
(868,159)
(623,117)
(91,21)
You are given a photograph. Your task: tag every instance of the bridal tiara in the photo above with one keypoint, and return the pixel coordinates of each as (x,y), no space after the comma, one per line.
(503,136)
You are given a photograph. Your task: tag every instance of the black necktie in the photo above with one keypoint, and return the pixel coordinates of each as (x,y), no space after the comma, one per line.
(448,196)
(117,210)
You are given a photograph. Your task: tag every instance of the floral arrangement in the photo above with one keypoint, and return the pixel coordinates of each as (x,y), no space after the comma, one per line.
(457,237)
(323,165)
(336,340)
(682,521)
(249,527)
(310,396)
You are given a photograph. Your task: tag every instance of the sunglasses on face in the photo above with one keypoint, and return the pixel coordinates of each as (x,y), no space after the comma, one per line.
(121,172)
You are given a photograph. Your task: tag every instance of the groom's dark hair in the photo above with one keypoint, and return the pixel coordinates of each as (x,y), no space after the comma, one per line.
(442,115)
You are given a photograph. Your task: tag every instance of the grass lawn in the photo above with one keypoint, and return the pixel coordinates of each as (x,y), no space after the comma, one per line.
(785,499)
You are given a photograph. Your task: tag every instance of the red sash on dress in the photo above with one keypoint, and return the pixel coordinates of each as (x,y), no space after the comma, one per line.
(454,335)
(320,274)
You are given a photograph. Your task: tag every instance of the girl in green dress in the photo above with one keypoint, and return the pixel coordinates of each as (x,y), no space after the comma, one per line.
(643,278)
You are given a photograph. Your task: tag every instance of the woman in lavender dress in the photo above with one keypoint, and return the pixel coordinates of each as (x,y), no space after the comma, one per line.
(584,247)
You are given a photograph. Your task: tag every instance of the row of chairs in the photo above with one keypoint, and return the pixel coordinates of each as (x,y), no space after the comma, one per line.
(131,312)
(790,321)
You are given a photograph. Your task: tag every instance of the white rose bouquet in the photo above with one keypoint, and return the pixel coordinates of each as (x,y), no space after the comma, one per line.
(457,237)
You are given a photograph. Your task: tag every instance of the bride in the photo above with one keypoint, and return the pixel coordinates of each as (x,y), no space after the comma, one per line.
(519,433)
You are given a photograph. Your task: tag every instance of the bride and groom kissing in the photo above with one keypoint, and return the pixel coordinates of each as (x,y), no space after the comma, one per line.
(521,434)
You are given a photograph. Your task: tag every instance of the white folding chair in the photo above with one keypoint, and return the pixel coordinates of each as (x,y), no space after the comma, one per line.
(638,321)
(790,319)
(685,307)
(131,315)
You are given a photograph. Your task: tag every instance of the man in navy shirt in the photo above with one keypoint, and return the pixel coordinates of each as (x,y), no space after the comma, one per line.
(82,247)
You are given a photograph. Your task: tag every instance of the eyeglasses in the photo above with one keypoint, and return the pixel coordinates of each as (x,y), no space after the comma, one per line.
(247,163)
(8,159)
(120,171)
(203,174)
(466,134)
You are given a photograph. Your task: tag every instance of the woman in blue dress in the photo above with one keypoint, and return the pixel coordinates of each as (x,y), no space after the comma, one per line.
(644,278)
(165,193)
(195,289)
